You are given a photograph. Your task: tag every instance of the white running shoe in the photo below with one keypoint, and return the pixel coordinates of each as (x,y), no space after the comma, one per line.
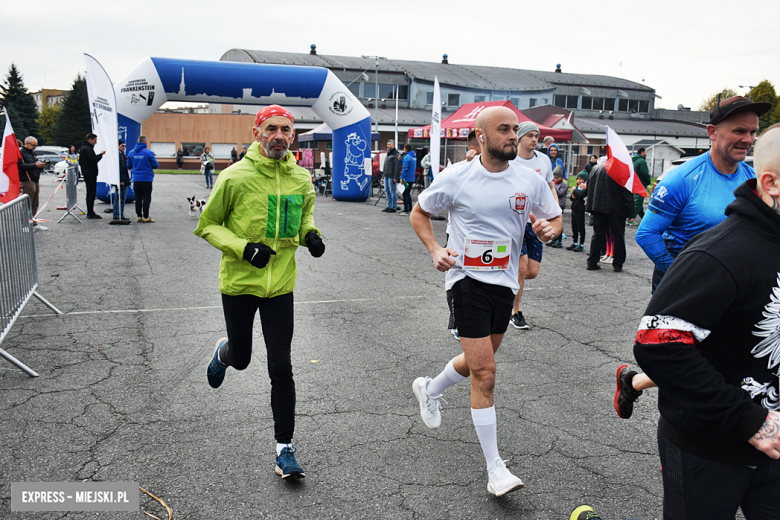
(607,260)
(429,406)
(501,481)
(40,227)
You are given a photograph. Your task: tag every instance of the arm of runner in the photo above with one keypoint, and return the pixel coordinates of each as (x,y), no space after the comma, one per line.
(443,258)
(551,184)
(210,226)
(545,229)
(649,236)
(767,439)
(471,154)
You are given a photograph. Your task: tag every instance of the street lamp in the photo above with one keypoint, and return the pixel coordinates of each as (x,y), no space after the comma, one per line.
(751,87)
(376,85)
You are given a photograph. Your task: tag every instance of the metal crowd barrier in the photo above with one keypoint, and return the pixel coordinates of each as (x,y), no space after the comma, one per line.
(18,268)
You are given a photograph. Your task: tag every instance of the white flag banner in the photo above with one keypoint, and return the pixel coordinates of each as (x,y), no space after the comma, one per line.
(436,128)
(102,109)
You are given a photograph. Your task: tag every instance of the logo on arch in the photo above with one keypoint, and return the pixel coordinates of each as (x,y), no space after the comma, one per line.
(338,104)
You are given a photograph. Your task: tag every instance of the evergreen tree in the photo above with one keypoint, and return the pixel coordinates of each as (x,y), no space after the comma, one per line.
(764,92)
(19,130)
(13,94)
(74,122)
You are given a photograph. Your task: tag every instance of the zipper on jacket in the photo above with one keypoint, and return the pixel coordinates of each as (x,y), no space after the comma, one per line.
(286,204)
(276,237)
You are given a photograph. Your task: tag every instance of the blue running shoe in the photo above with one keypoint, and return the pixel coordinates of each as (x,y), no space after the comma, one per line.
(216,370)
(455,334)
(287,466)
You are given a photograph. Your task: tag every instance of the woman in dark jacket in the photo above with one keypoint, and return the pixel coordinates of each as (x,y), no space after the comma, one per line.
(180,158)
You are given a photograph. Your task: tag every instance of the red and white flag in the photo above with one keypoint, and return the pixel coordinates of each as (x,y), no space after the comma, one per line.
(619,165)
(9,163)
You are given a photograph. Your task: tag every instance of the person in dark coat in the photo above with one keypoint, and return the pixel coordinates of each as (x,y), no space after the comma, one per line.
(180,157)
(578,195)
(124,182)
(610,204)
(88,160)
(30,170)
(392,174)
(643,172)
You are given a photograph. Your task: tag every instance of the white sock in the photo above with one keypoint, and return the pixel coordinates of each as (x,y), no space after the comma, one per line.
(485,424)
(280,447)
(448,377)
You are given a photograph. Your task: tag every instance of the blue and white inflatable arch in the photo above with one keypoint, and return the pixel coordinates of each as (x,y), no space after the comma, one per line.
(157,80)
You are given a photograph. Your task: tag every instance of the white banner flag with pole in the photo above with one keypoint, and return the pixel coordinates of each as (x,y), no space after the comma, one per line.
(102,109)
(436,128)
(395,138)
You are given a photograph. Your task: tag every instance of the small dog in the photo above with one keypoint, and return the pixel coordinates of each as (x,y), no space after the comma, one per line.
(196,205)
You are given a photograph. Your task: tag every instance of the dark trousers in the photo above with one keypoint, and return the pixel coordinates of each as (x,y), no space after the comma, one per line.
(701,489)
(33,190)
(408,197)
(601,223)
(91,184)
(143,197)
(276,318)
(639,205)
(578,226)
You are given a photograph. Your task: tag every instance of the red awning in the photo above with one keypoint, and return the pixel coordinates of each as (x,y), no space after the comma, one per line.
(459,124)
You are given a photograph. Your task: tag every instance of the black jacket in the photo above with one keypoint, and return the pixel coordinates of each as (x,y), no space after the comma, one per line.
(392,165)
(124,173)
(88,160)
(607,196)
(710,337)
(27,169)
(578,199)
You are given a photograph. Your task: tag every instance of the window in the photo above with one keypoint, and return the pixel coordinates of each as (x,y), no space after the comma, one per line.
(571,102)
(429,98)
(193,149)
(622,105)
(633,105)
(590,151)
(354,88)
(162,149)
(309,144)
(515,101)
(609,104)
(498,98)
(403,92)
(222,150)
(386,91)
(559,101)
(644,107)
(369,90)
(532,102)
(329,145)
(479,99)
(453,100)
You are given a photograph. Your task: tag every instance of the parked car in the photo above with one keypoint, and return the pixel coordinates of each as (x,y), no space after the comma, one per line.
(53,154)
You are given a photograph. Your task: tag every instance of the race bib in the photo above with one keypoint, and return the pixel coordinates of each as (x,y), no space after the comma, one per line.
(487,255)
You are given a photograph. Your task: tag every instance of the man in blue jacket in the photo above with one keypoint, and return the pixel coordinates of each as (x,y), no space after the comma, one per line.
(408,174)
(142,161)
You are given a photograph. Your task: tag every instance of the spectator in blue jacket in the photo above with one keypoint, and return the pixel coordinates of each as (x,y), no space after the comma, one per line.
(556,160)
(408,174)
(142,161)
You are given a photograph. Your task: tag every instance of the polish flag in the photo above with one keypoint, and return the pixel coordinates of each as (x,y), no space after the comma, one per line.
(620,166)
(9,164)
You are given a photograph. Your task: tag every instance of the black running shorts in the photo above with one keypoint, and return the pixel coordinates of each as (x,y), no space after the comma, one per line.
(481,309)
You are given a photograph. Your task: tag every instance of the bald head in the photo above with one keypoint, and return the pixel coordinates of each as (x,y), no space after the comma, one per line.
(496,129)
(491,114)
(767,152)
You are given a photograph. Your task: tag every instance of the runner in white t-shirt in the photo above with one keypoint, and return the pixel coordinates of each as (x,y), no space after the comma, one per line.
(531,255)
(489,199)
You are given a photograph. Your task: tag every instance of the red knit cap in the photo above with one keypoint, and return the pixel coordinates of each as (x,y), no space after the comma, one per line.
(271,111)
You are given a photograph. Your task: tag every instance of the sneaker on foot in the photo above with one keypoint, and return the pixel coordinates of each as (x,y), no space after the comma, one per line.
(429,406)
(93,216)
(287,466)
(148,220)
(607,260)
(404,213)
(40,227)
(455,334)
(518,321)
(579,248)
(572,247)
(501,481)
(593,267)
(584,513)
(625,395)
(216,369)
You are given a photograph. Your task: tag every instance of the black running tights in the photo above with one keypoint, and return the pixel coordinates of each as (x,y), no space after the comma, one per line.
(276,318)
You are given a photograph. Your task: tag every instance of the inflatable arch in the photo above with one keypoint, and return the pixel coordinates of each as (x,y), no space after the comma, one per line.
(157,80)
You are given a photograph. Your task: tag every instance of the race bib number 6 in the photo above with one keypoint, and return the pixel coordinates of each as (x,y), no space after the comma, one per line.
(487,255)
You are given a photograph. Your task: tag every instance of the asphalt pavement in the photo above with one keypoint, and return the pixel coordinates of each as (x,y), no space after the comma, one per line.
(122,393)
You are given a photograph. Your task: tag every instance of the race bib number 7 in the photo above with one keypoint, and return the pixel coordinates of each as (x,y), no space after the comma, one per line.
(487,255)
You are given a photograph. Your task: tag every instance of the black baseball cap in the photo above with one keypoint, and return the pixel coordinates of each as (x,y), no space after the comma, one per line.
(736,105)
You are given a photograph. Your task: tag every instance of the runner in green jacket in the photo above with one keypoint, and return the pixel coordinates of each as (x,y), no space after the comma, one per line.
(259,213)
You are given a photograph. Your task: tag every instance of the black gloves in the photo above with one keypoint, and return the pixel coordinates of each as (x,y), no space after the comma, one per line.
(258,254)
(315,244)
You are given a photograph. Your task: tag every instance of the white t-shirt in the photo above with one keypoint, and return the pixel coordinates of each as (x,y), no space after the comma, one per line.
(539,163)
(488,206)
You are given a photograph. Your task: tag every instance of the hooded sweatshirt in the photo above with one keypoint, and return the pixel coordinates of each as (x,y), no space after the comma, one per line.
(558,161)
(259,200)
(710,337)
(409,167)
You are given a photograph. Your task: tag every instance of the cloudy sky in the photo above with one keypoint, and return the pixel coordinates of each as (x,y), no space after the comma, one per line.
(684,49)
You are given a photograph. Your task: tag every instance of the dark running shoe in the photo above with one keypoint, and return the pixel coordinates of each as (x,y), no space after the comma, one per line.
(287,466)
(518,321)
(572,247)
(216,370)
(625,395)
